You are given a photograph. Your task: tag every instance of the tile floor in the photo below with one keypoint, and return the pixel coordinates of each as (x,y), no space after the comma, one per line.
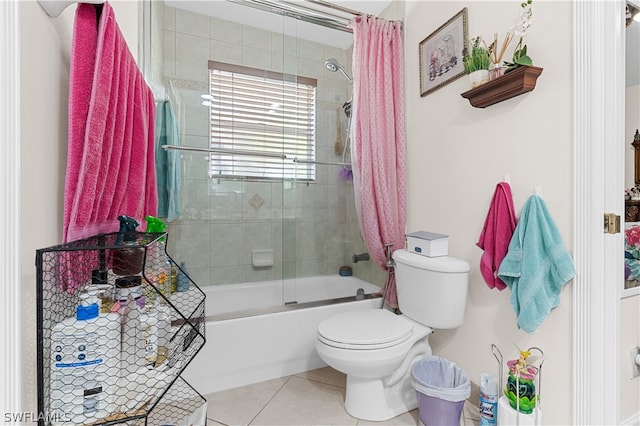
(311,398)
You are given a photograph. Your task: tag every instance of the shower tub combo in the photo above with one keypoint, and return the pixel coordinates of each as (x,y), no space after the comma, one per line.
(252,337)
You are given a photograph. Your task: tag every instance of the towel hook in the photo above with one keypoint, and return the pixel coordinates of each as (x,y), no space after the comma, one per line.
(507,178)
(538,190)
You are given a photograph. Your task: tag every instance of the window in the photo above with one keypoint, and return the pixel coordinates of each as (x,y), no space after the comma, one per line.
(256,118)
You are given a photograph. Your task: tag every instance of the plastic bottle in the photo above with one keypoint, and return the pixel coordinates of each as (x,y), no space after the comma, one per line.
(161,266)
(133,354)
(164,332)
(85,353)
(183,280)
(126,286)
(129,259)
(174,279)
(488,400)
(149,322)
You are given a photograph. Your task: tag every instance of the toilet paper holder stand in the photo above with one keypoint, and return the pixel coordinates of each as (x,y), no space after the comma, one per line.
(525,375)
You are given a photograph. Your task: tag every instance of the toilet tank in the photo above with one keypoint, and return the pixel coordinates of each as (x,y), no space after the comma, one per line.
(432,290)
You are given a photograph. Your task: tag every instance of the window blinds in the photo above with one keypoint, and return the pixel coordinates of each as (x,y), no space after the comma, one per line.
(264,112)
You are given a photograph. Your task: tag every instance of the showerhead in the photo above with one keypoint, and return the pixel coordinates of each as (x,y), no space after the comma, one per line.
(333,65)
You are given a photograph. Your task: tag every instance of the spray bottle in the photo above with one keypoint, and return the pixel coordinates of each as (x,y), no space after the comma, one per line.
(129,259)
(488,400)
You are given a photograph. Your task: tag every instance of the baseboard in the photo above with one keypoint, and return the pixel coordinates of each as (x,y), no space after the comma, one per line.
(632,421)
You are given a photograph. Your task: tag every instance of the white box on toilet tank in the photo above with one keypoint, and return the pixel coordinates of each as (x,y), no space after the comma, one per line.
(428,243)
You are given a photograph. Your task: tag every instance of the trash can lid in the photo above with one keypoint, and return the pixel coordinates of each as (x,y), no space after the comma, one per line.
(368,329)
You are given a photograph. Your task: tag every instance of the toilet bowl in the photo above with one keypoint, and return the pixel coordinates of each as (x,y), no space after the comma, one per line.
(376,359)
(376,348)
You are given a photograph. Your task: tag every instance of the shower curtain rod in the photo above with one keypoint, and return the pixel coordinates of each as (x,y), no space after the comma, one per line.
(314,15)
(251,153)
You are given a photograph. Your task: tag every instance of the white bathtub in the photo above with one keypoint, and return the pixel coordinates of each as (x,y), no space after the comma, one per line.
(241,351)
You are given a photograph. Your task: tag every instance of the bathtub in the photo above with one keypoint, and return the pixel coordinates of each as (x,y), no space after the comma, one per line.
(252,337)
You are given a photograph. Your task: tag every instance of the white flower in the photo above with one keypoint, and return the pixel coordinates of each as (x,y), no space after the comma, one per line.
(526,19)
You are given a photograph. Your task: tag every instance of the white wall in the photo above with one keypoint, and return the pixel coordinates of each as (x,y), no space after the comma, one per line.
(457,154)
(45,45)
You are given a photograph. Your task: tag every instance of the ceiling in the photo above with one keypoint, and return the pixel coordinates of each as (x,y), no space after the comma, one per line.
(273,22)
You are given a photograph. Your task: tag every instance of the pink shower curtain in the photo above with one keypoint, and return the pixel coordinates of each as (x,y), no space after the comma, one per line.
(379,140)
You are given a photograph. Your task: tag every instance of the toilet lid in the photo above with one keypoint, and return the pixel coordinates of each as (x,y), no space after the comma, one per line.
(368,329)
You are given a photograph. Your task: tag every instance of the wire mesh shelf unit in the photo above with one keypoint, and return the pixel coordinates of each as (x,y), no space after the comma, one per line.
(117,361)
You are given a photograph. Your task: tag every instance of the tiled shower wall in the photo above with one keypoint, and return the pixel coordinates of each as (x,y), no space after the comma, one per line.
(312,229)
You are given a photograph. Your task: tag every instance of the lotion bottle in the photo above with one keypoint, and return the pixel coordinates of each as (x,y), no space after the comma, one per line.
(85,353)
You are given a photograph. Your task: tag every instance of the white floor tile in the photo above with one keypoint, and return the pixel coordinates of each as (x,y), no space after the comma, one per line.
(312,398)
(306,402)
(406,419)
(326,375)
(470,411)
(240,405)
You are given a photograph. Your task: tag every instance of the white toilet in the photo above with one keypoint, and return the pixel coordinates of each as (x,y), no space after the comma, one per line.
(376,348)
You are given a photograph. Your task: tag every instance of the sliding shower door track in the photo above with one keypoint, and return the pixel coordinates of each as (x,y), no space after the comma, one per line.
(289,307)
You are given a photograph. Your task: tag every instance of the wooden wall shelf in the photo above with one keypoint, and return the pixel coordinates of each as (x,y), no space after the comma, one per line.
(514,83)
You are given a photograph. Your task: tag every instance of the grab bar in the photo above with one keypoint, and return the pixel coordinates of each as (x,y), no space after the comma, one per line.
(324,163)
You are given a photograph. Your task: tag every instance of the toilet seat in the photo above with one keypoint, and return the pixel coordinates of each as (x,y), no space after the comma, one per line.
(365,330)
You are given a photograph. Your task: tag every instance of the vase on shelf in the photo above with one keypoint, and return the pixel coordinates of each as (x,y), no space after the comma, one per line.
(496,71)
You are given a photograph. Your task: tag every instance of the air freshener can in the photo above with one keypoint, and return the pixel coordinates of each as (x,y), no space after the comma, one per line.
(488,400)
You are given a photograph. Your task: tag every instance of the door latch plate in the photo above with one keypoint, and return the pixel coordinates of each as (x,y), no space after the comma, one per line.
(611,223)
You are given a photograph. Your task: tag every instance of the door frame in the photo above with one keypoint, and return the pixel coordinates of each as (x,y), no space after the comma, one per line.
(598,134)
(10,304)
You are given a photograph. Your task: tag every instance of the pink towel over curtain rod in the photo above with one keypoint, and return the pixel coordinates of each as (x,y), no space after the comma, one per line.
(110,161)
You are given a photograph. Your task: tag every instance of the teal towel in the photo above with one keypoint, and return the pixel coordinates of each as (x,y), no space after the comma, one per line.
(536,266)
(167,162)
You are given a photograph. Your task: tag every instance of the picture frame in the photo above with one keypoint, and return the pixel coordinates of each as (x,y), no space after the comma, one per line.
(442,52)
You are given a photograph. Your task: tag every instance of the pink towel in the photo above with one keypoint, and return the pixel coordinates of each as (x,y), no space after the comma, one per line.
(496,234)
(110,162)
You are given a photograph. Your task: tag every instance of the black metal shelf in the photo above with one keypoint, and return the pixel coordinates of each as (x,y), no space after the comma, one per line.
(88,383)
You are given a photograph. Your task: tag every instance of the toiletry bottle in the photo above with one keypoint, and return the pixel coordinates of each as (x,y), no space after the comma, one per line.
(129,259)
(133,354)
(164,332)
(126,286)
(161,266)
(174,279)
(183,280)
(488,400)
(103,293)
(149,320)
(85,353)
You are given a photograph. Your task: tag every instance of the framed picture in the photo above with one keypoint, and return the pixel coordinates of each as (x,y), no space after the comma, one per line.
(441,54)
